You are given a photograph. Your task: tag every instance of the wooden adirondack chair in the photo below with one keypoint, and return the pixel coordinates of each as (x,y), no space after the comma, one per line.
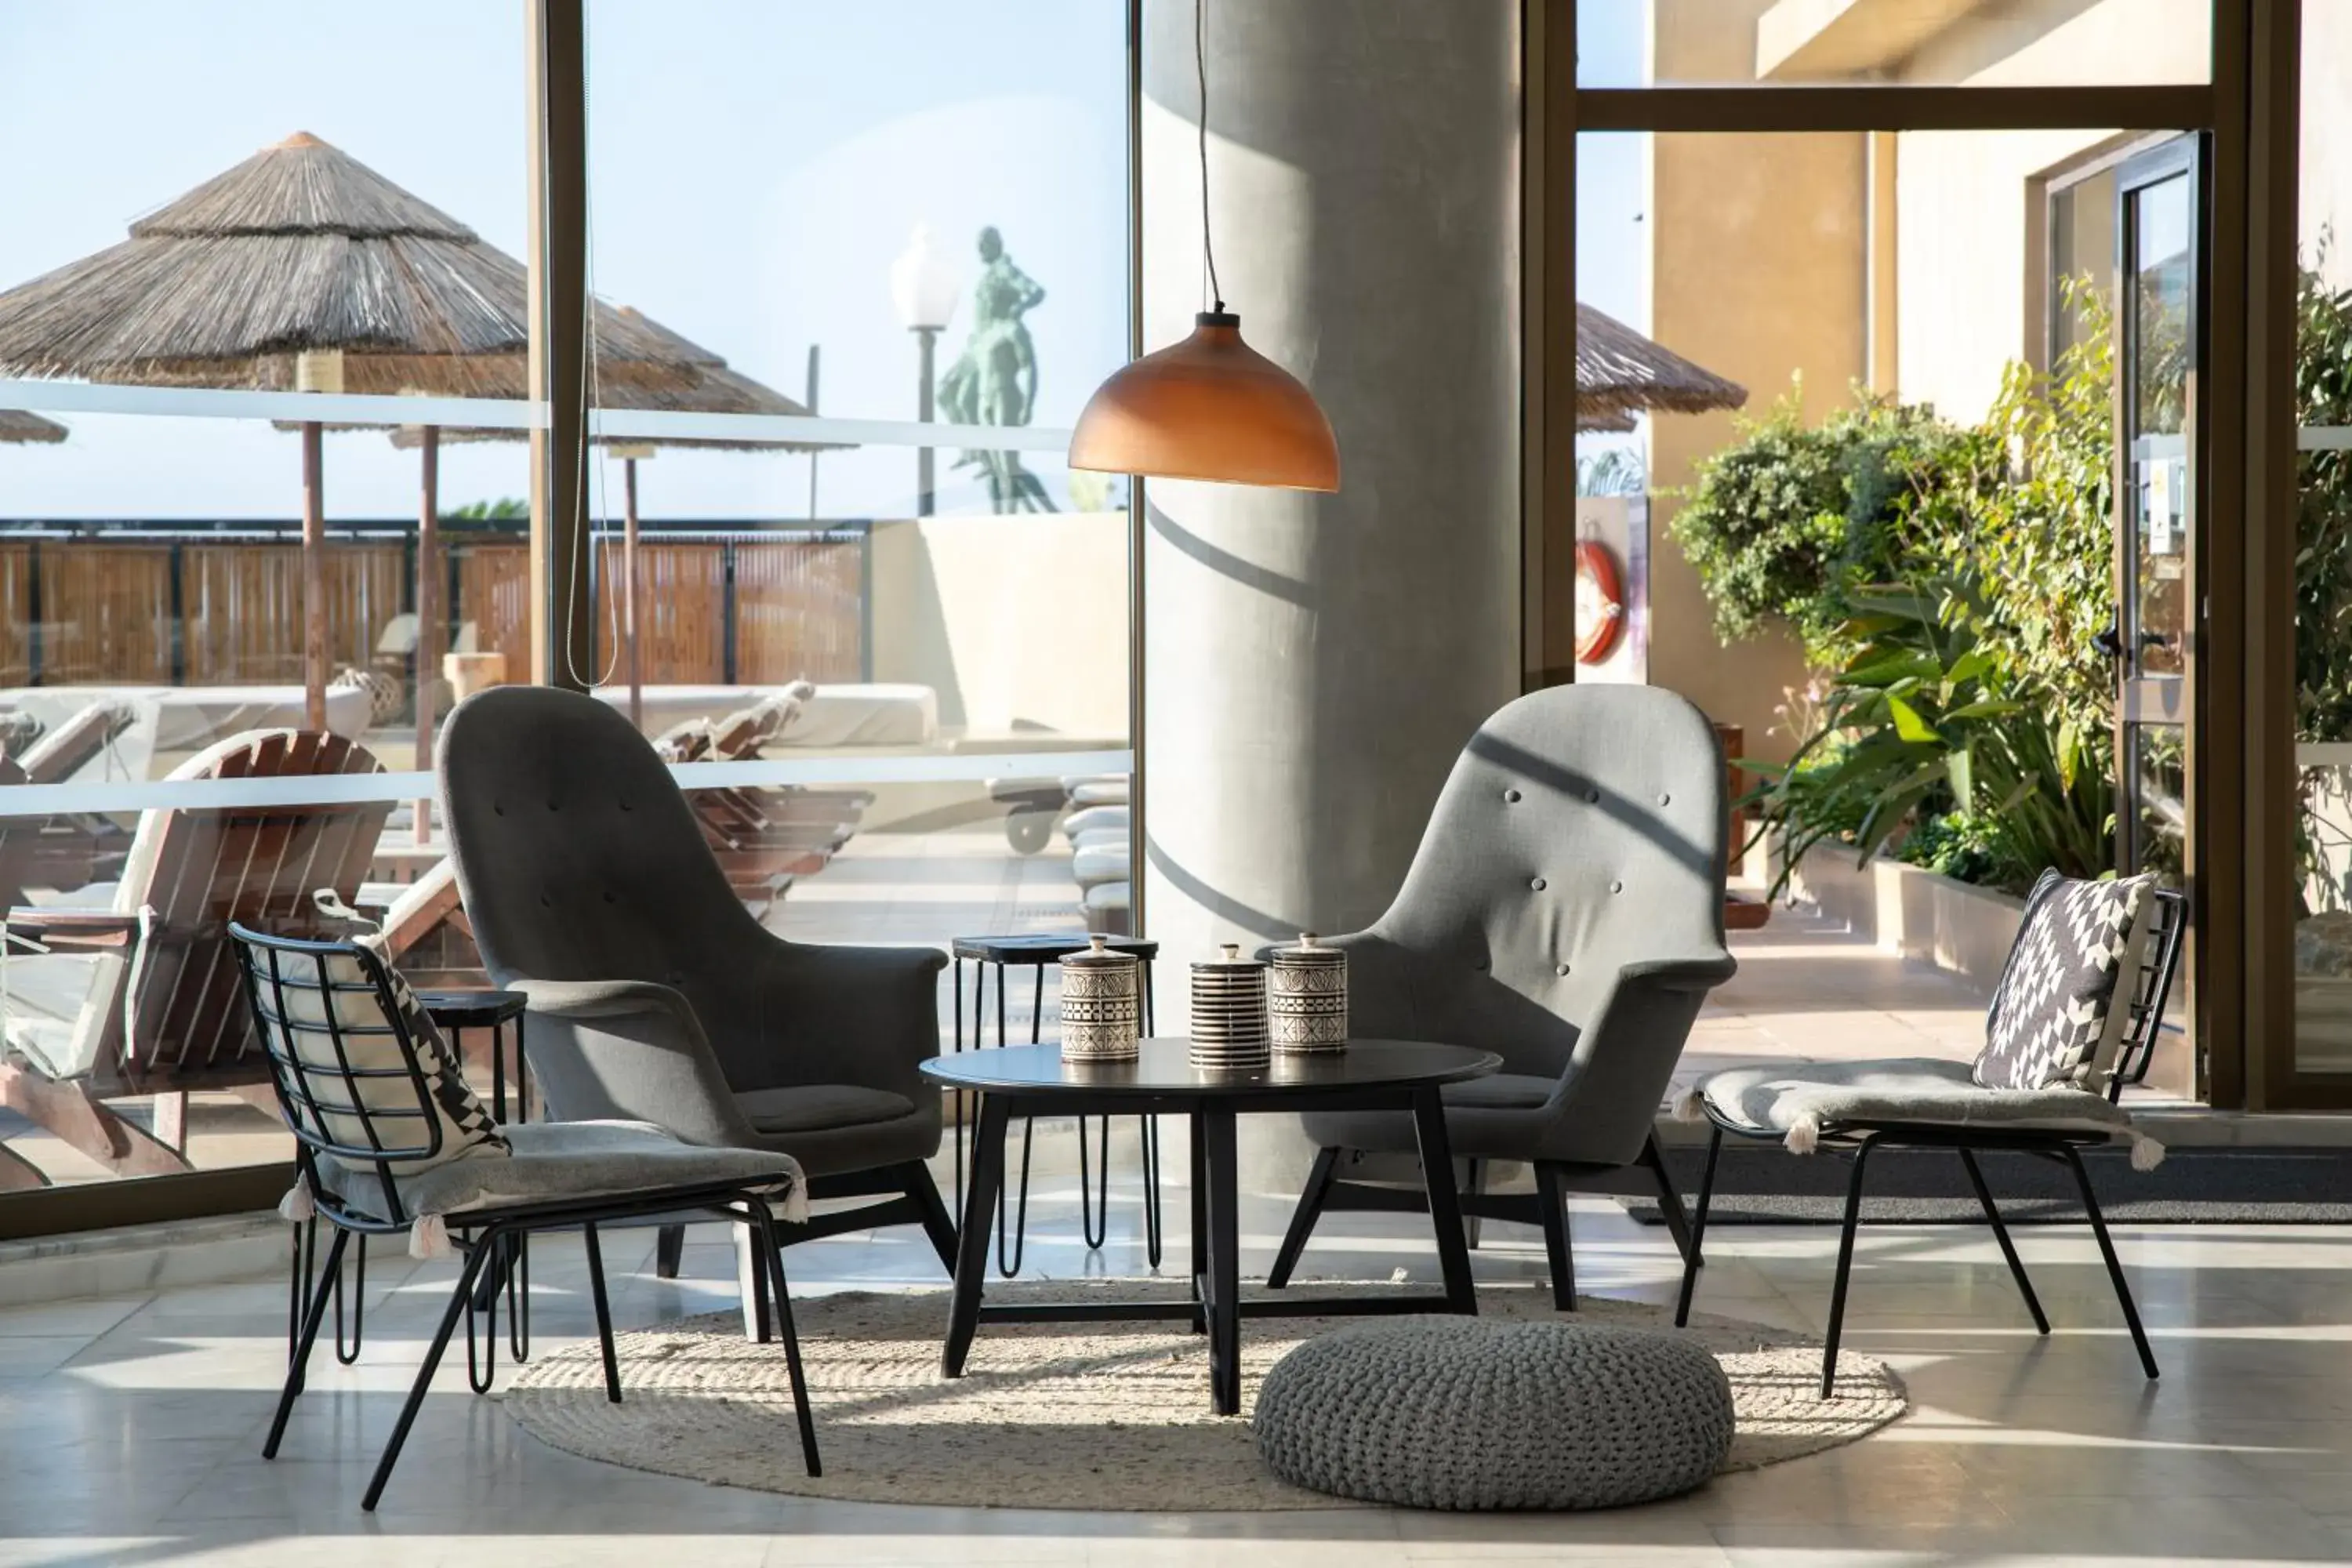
(162,1011)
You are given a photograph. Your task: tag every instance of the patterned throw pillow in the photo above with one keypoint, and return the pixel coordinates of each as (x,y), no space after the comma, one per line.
(368,1042)
(2059,1013)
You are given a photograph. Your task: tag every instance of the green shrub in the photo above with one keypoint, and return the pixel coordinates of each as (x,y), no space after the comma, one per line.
(1788,521)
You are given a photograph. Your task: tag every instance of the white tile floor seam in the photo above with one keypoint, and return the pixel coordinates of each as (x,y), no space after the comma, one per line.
(129,1426)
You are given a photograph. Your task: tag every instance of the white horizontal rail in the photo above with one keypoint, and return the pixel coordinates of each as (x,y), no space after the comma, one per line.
(2324,439)
(347,789)
(2323,753)
(511,413)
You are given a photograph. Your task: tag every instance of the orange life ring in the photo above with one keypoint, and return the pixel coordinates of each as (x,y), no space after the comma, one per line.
(1600,603)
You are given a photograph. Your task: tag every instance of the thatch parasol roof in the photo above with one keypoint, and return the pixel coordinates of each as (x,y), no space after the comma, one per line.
(20,427)
(1620,372)
(717,390)
(300,247)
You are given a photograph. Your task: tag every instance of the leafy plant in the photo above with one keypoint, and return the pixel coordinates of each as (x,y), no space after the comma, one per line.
(1788,521)
(1929,719)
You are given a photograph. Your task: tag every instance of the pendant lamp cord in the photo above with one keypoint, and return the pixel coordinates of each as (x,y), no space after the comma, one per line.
(1201,68)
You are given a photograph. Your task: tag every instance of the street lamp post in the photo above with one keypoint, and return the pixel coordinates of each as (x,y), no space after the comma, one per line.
(924,286)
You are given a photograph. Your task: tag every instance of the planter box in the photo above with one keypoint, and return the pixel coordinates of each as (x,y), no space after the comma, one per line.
(1904,908)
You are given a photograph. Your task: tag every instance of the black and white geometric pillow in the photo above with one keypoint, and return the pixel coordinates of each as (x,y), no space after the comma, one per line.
(2064,998)
(369,1042)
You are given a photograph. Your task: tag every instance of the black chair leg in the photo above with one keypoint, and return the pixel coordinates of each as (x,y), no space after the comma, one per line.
(2115,1265)
(2001,1235)
(938,1225)
(314,1314)
(1695,1253)
(1551,1200)
(773,1251)
(603,1313)
(1670,1201)
(475,1257)
(670,1251)
(1020,1207)
(1473,1227)
(1845,1268)
(1304,1218)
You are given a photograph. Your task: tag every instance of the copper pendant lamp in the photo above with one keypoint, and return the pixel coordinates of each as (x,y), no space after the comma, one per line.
(1211,407)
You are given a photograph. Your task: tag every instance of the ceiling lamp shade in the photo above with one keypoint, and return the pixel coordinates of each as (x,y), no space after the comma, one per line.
(1211,407)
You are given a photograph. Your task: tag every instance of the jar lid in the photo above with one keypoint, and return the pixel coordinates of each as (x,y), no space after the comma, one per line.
(1099,955)
(1310,953)
(1231,961)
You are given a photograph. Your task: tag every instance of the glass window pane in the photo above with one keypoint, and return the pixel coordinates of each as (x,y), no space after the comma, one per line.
(151,577)
(2322,868)
(1938,43)
(886,216)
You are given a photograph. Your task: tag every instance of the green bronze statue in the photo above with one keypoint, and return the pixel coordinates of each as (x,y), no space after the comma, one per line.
(994,381)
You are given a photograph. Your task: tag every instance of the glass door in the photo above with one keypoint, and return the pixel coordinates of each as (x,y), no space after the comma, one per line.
(2152,642)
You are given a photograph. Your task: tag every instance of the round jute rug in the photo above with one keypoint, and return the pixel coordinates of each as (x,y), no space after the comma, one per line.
(1083,1415)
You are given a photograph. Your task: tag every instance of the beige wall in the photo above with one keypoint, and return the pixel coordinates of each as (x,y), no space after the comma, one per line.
(1015,621)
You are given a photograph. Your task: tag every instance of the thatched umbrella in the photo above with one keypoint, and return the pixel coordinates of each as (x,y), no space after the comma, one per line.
(1620,372)
(19,428)
(714,389)
(299,268)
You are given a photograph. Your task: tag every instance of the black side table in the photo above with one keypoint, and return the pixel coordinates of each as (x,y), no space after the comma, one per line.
(455,1012)
(1036,953)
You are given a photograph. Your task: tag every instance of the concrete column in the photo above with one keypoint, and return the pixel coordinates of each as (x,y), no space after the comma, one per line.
(1313,663)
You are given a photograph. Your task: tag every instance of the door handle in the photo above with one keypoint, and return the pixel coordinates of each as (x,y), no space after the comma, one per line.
(2110,641)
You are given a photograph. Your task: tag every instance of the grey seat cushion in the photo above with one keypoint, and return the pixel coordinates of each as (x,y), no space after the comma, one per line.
(1487,1117)
(556,1160)
(1799,1100)
(1457,1412)
(1097,819)
(809,1108)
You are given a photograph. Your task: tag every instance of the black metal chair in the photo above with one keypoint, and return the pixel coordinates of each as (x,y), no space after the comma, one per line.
(357,1184)
(2060,1144)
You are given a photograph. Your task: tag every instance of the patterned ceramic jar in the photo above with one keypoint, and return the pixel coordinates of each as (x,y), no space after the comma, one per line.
(1102,1005)
(1306,998)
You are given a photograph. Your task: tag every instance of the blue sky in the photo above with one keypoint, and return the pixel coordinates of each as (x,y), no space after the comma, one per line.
(755,167)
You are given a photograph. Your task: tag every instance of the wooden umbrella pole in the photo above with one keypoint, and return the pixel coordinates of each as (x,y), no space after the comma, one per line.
(428,613)
(314,579)
(629,590)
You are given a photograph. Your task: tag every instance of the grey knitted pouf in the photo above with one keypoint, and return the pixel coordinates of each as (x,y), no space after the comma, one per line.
(1462,1413)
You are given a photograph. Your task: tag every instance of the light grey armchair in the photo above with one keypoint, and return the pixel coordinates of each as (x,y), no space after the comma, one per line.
(1565,911)
(655,996)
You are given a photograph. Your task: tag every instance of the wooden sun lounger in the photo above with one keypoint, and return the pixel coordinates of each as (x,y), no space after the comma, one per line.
(170,1015)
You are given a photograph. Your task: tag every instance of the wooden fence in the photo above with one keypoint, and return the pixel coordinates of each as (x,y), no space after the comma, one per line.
(200,612)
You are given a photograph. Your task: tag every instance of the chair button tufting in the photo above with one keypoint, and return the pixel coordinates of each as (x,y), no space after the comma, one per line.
(1563,969)
(1592,796)
(1666,800)
(1511,796)
(1616,887)
(1537,884)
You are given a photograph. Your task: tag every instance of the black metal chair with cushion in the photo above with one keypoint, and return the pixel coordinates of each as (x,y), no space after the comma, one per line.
(388,1138)
(655,996)
(1565,911)
(2077,1014)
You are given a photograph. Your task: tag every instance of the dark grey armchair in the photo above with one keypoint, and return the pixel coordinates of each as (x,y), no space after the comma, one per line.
(655,996)
(1565,911)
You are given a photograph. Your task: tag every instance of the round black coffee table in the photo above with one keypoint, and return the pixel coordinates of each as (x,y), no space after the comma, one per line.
(1370,1075)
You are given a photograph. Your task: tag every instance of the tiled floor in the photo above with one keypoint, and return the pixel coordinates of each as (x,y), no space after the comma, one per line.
(130,1428)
